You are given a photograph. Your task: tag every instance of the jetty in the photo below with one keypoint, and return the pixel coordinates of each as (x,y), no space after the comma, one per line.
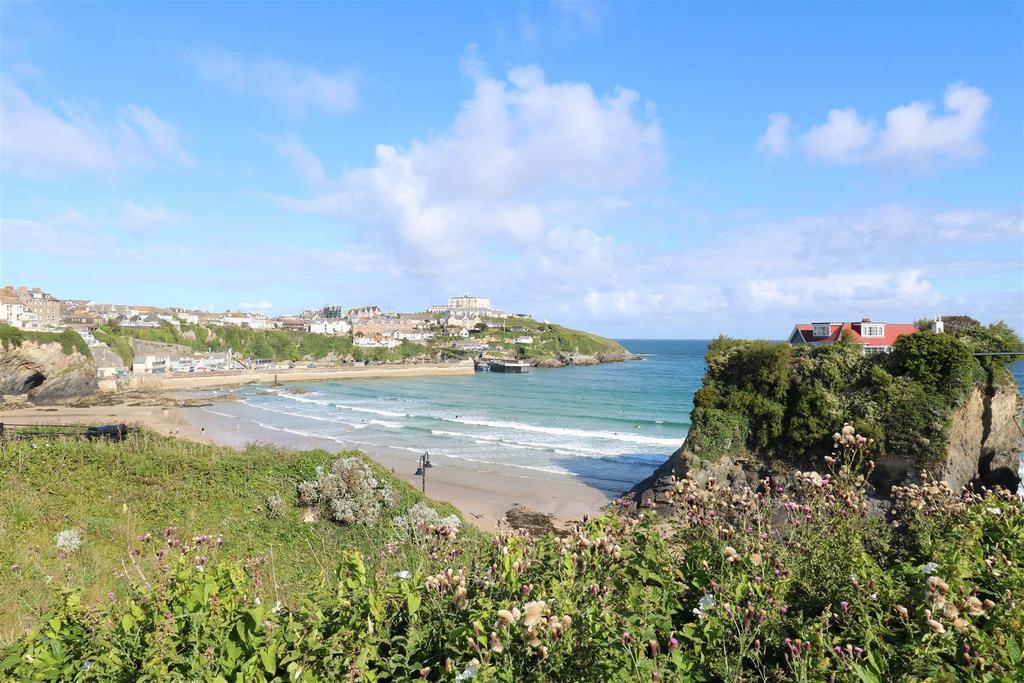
(501,365)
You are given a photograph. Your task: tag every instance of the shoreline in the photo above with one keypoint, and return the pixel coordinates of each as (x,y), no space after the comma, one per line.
(482,496)
(293,375)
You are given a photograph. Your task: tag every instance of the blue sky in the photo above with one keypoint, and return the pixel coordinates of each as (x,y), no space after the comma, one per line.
(640,169)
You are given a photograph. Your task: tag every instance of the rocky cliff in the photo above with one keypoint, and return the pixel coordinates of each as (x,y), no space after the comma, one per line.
(45,372)
(983,447)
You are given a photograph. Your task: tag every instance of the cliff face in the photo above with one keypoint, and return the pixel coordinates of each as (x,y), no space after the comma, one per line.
(45,373)
(984,446)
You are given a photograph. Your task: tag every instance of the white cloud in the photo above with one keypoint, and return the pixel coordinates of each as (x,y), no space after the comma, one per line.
(36,140)
(298,89)
(262,305)
(841,140)
(582,15)
(775,142)
(144,218)
(913,134)
(305,162)
(516,150)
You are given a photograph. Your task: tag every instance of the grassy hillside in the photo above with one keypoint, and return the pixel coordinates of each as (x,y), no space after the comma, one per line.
(549,340)
(794,582)
(283,345)
(113,494)
(69,340)
(769,397)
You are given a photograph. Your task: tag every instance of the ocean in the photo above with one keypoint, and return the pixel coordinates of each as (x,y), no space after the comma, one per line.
(608,425)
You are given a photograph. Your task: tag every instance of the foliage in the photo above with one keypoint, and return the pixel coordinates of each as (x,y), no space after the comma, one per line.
(792,581)
(771,397)
(348,492)
(69,340)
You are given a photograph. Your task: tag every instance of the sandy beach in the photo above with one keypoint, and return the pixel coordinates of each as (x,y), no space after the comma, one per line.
(291,375)
(482,496)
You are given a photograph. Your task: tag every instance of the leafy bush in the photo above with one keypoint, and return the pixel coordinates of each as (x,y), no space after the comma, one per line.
(348,493)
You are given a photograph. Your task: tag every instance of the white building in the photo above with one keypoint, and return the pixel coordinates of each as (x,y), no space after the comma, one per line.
(417,336)
(245,320)
(151,364)
(524,339)
(11,310)
(466,321)
(333,326)
(466,301)
(376,343)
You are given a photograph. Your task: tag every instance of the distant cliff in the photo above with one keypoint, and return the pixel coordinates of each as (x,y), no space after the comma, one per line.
(931,406)
(45,367)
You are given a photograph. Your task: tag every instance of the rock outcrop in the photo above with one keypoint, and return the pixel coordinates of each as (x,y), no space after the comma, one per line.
(580,359)
(984,447)
(45,374)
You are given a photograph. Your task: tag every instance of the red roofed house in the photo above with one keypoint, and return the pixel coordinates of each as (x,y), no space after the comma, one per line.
(874,337)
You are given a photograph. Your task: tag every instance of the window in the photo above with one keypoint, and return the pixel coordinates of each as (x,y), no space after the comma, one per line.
(822,329)
(872,330)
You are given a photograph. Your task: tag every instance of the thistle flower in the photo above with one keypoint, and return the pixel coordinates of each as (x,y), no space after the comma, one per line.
(935,626)
(532,612)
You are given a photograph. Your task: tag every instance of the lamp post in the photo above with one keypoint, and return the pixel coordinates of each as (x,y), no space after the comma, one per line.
(421,470)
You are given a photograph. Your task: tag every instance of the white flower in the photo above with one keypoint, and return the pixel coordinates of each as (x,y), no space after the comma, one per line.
(929,568)
(68,540)
(706,602)
(404,574)
(277,607)
(469,672)
(993,511)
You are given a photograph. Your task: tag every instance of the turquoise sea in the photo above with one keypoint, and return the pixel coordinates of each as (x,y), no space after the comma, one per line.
(608,425)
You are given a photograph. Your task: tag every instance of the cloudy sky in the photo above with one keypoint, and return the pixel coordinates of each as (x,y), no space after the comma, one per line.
(658,170)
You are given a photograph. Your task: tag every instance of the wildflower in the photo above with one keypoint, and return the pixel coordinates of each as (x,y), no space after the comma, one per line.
(532,612)
(469,672)
(404,574)
(68,541)
(495,643)
(973,606)
(673,644)
(755,559)
(845,605)
(935,626)
(505,618)
(627,637)
(730,554)
(706,602)
(993,511)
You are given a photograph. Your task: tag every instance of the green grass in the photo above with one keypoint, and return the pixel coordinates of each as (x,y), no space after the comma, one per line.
(113,493)
(69,340)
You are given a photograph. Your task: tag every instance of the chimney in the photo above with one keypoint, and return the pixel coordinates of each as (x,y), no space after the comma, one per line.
(937,326)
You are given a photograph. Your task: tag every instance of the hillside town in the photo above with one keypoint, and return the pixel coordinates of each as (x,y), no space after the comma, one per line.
(460,325)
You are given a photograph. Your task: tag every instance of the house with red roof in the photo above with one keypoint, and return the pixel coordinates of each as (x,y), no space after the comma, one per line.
(874,337)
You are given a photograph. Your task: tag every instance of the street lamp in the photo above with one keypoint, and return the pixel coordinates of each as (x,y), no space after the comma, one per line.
(421,470)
